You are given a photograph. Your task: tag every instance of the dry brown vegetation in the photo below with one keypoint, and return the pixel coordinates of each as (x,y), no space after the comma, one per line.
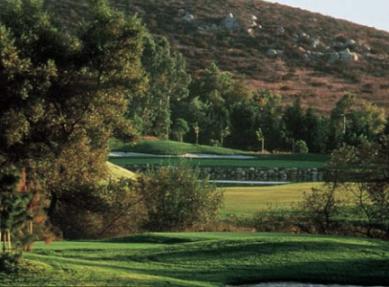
(319,82)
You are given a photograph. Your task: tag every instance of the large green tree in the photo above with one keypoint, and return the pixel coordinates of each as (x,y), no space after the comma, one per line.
(216,92)
(63,92)
(155,109)
(354,120)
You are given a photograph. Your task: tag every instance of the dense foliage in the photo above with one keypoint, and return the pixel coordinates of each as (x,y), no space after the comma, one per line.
(216,109)
(63,94)
(176,199)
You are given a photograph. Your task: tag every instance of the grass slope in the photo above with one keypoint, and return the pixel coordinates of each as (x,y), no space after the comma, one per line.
(116,172)
(164,147)
(205,259)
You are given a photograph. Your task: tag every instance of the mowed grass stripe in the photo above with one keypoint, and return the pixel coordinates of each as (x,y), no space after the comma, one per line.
(207,259)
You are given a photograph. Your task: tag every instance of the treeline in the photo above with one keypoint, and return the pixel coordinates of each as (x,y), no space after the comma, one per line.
(213,108)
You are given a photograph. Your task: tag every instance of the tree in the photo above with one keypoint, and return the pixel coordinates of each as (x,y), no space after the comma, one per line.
(105,209)
(214,92)
(321,206)
(386,132)
(197,111)
(261,139)
(244,120)
(354,121)
(270,118)
(180,129)
(364,171)
(293,120)
(301,147)
(176,199)
(315,132)
(63,93)
(13,211)
(168,81)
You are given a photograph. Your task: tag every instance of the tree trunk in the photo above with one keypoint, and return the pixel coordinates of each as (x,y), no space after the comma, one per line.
(9,240)
(30,227)
(53,204)
(1,240)
(263,145)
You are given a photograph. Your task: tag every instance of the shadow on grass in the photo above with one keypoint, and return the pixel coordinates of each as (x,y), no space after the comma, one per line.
(250,261)
(367,272)
(150,238)
(225,249)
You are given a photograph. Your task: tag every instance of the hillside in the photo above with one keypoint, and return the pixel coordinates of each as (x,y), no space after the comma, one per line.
(288,50)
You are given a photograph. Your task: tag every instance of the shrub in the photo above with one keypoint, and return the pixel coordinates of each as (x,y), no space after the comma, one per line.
(321,206)
(104,210)
(301,147)
(176,199)
(10,262)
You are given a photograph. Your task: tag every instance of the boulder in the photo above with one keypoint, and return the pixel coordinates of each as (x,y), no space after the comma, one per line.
(350,43)
(316,43)
(274,53)
(230,22)
(188,17)
(304,36)
(347,56)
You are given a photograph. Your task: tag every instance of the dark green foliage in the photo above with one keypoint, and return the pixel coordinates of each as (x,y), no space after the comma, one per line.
(14,211)
(64,93)
(293,119)
(270,119)
(354,121)
(155,109)
(176,199)
(10,262)
(301,147)
(244,122)
(262,111)
(315,132)
(213,94)
(99,210)
(180,129)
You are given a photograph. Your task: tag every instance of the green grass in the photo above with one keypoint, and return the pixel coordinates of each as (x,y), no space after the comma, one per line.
(205,259)
(247,201)
(116,172)
(176,148)
(170,147)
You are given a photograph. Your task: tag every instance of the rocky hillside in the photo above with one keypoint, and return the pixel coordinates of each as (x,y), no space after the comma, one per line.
(292,51)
